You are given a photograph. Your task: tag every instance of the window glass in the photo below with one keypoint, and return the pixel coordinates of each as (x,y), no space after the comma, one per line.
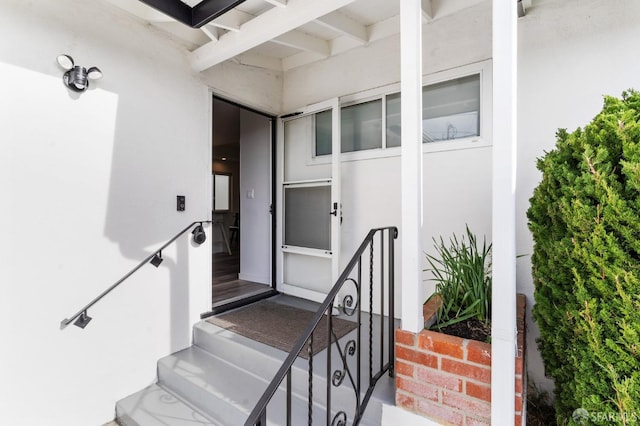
(222,192)
(361,126)
(323,133)
(393,120)
(306,219)
(451,109)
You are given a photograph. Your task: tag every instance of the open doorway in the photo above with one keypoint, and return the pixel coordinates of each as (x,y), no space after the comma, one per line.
(242,245)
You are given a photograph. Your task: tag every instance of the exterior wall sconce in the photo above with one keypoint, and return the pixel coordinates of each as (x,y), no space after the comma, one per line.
(77,78)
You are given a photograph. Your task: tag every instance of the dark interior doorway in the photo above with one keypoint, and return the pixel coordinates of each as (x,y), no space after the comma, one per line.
(242,171)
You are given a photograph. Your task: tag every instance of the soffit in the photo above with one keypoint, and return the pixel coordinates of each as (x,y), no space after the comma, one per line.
(284,34)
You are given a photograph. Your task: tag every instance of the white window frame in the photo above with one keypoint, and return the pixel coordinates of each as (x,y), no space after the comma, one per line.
(483,69)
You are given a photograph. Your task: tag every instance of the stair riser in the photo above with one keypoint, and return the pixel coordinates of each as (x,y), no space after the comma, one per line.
(264,362)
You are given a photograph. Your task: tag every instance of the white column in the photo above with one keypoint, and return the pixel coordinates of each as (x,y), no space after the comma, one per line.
(411,233)
(503,330)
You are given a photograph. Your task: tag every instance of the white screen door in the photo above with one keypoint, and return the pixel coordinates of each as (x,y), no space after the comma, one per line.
(309,201)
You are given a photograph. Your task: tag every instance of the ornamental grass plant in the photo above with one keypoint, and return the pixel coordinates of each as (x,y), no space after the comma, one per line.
(462,272)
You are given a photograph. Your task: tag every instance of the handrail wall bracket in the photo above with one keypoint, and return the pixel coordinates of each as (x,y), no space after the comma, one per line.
(81,317)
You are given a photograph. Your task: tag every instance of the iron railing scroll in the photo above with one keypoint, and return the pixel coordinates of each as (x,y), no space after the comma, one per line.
(347,294)
(82,318)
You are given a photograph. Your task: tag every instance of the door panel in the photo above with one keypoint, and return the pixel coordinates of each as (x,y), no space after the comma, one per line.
(309,202)
(255,198)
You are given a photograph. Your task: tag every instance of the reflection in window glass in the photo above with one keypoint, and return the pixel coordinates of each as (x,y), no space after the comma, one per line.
(323,133)
(451,109)
(222,192)
(361,126)
(393,120)
(306,222)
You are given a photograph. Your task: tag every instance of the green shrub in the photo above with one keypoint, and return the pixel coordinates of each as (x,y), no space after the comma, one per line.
(585,221)
(462,272)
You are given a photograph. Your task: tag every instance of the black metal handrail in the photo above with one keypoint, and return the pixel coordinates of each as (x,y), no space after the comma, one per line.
(81,317)
(258,416)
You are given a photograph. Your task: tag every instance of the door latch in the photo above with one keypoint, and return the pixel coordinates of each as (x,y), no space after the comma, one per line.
(335,209)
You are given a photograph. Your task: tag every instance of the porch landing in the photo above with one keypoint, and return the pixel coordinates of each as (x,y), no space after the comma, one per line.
(219,379)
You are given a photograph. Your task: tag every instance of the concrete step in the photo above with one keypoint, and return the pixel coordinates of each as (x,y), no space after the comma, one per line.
(219,380)
(226,393)
(155,406)
(263,361)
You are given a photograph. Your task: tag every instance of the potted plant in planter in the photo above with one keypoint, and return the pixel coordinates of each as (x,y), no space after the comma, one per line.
(462,271)
(444,371)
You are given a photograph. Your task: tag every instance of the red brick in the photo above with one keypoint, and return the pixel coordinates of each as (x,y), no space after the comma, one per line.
(477,422)
(518,406)
(439,379)
(482,392)
(474,372)
(415,356)
(441,343)
(519,365)
(479,352)
(405,401)
(419,389)
(518,387)
(404,369)
(468,405)
(440,413)
(405,337)
(518,420)
(430,308)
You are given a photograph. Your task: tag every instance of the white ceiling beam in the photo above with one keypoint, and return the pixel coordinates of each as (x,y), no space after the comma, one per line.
(345,25)
(271,24)
(442,8)
(232,20)
(260,61)
(305,42)
(210,31)
(377,31)
(427,10)
(278,3)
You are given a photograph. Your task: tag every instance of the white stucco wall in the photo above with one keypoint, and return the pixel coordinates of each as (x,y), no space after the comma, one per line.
(89,185)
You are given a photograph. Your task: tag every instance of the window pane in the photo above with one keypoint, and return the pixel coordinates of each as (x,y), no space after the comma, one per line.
(221,188)
(361,126)
(451,110)
(307,222)
(323,133)
(393,120)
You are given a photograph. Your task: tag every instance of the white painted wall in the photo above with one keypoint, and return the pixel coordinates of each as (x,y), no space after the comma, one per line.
(457,183)
(255,197)
(572,53)
(258,88)
(89,185)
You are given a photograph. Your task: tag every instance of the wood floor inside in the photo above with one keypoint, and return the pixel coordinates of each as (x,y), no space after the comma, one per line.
(226,285)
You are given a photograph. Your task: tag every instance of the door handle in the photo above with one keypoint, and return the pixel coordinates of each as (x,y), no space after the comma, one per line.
(335,209)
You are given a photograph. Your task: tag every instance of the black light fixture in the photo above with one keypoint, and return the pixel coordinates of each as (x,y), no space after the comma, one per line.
(157,259)
(77,78)
(199,236)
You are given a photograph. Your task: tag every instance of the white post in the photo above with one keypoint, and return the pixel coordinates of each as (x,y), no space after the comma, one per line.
(411,233)
(503,330)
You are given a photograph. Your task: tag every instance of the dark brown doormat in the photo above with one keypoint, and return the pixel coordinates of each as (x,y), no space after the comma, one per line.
(279,325)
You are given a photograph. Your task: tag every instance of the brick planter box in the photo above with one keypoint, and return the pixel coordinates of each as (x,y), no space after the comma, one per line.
(448,379)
